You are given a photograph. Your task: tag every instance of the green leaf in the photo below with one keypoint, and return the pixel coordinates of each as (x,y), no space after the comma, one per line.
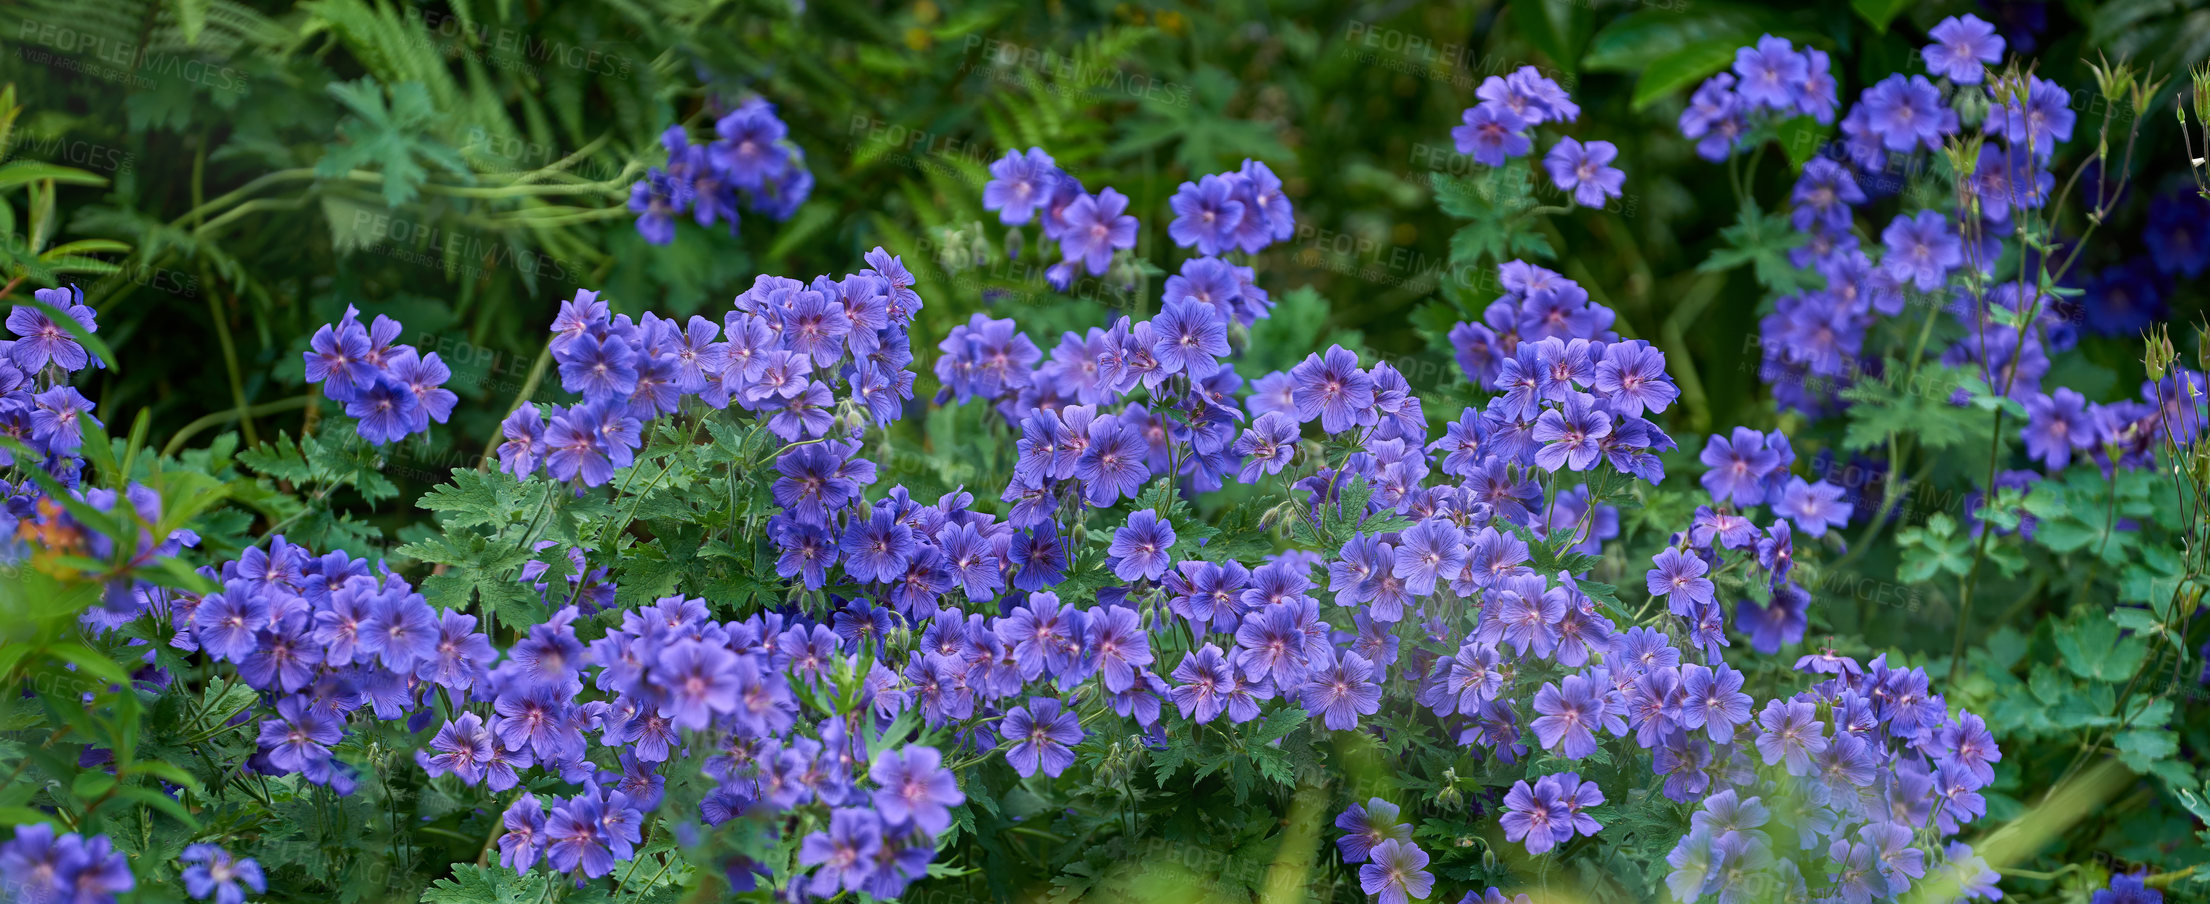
(1680,69)
(1556,29)
(1879,12)
(483,499)
(1635,41)
(1496,201)
(19,172)
(472,884)
(2141,748)
(1763,241)
(2093,649)
(389,137)
(1937,547)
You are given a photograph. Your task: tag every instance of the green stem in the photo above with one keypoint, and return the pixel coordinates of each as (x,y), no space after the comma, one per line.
(176,442)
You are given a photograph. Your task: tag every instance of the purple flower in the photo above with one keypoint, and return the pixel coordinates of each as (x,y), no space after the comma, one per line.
(1771,72)
(1339,689)
(1205,681)
(1535,815)
(1267,446)
(846,853)
(1681,578)
(226,624)
(214,872)
(1572,436)
(1908,113)
(337,357)
(385,410)
(1114,464)
(1526,616)
(1206,214)
(400,631)
(1921,249)
(814,325)
(1433,549)
(463,746)
(461,654)
(698,679)
(525,446)
(1712,699)
(1192,337)
(1095,227)
(913,785)
(1267,216)
(1043,733)
(1142,547)
(1792,733)
(90,870)
(1965,747)
(1714,117)
(44,342)
(424,377)
(1333,390)
(1569,716)
(1396,873)
(1632,379)
(524,842)
(2037,122)
(973,562)
(1694,867)
(1491,134)
(1813,508)
(1963,48)
(2057,424)
(1365,827)
(878,548)
(1738,467)
(299,738)
(1019,184)
(2127,888)
(575,447)
(1041,557)
(598,368)
(1120,644)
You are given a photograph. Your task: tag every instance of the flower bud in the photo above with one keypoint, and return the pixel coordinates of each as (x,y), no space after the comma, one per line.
(2201,77)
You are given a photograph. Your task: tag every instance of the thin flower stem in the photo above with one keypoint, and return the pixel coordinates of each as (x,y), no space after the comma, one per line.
(239,409)
(176,441)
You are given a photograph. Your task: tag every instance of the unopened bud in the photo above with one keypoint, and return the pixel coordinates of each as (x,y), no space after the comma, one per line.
(2201,78)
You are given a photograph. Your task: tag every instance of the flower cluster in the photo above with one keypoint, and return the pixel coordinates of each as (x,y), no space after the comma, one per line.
(1392,869)
(781,355)
(38,407)
(752,162)
(1748,469)
(1495,130)
(329,642)
(39,864)
(40,412)
(1088,227)
(1572,393)
(391,390)
(1770,81)
(1813,341)
(670,679)
(1843,814)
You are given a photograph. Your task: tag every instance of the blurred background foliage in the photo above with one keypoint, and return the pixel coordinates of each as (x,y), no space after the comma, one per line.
(463,166)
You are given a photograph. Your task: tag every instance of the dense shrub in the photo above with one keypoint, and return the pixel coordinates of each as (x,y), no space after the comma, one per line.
(865,586)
